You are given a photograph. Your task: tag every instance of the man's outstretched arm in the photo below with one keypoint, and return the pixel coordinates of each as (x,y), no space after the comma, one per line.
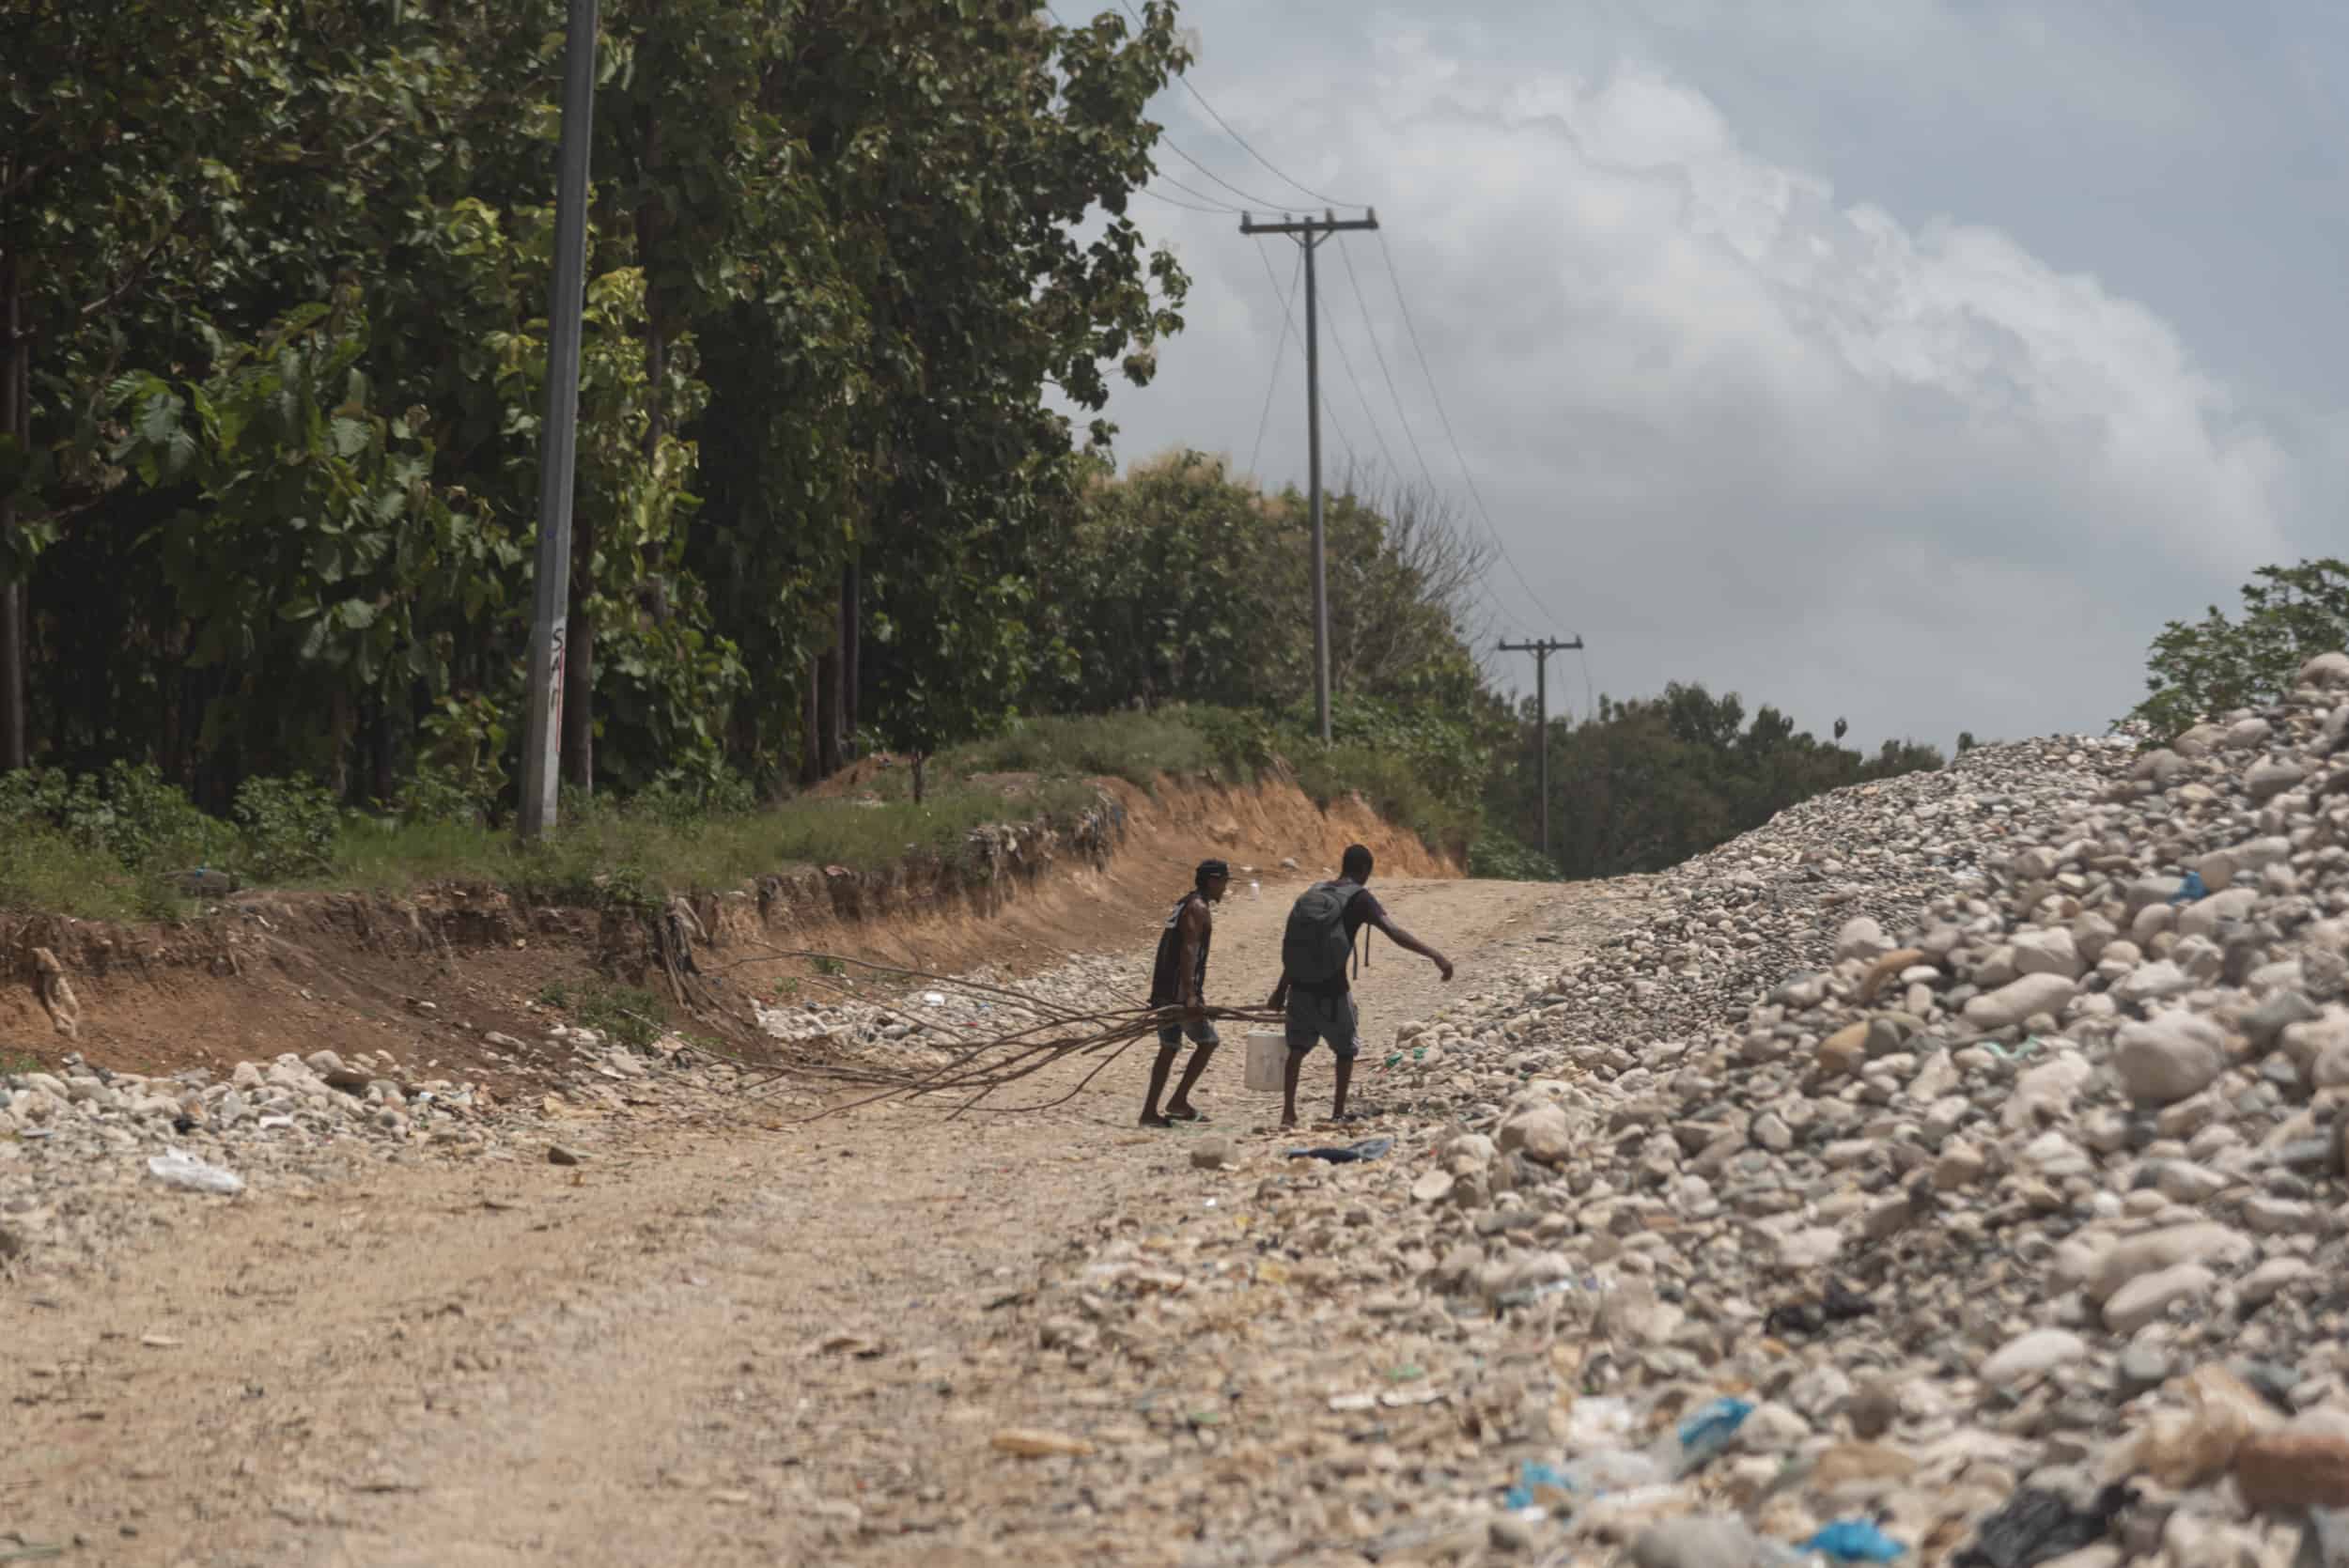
(1410,943)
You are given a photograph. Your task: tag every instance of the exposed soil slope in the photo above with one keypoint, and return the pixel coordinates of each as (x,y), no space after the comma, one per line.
(428,978)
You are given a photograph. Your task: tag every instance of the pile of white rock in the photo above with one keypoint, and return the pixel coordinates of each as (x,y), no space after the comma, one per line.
(2043,1190)
(1977,1136)
(91,1158)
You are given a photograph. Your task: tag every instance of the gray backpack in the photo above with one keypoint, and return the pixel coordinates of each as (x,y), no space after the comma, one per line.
(1315,947)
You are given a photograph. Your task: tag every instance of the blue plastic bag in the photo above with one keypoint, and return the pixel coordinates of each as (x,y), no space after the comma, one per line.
(1709,1431)
(1531,1474)
(2192,890)
(1855,1541)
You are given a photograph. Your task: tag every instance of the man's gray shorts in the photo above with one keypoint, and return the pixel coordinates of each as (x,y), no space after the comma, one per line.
(1203,1033)
(1313,1020)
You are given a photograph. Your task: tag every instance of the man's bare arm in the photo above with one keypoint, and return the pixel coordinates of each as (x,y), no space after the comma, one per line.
(1193,927)
(1410,943)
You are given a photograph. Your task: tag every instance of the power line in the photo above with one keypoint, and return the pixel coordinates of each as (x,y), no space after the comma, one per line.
(1186,206)
(1175,147)
(1279,347)
(1436,397)
(1215,204)
(1287,180)
(1288,327)
(1377,434)
(1361,303)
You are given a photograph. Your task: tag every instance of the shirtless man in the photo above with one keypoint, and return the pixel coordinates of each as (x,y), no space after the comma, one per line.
(1179,979)
(1321,1006)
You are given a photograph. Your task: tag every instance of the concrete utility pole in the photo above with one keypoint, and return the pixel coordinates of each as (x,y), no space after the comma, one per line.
(1310,233)
(1541,649)
(558,437)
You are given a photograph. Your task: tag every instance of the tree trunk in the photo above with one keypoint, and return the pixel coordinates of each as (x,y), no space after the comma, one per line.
(808,729)
(828,706)
(380,778)
(852,633)
(16,418)
(341,723)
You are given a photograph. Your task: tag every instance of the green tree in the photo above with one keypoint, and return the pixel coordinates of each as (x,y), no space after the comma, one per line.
(1645,784)
(2199,670)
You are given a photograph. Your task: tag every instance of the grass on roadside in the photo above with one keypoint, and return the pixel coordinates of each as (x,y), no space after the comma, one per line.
(597,857)
(46,870)
(1176,743)
(118,856)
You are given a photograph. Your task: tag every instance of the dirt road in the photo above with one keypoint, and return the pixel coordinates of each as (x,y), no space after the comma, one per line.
(627,1362)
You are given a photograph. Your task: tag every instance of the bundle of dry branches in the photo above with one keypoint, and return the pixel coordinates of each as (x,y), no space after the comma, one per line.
(1038,1033)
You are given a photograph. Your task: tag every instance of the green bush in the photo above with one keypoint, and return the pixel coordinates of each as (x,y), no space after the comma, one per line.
(290,827)
(1392,786)
(131,814)
(435,793)
(682,800)
(1495,856)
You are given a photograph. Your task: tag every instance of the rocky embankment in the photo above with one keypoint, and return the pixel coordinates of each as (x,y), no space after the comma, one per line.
(92,1161)
(1950,1171)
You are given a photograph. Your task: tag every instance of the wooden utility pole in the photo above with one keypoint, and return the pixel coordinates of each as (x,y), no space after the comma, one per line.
(1541,649)
(1310,233)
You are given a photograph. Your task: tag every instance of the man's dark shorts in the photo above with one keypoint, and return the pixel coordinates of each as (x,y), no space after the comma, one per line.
(1203,1033)
(1313,1020)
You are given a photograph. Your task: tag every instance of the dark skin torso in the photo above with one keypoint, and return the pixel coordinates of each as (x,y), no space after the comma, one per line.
(1191,928)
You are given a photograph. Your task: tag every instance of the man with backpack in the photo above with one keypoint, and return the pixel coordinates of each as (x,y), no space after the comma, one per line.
(1178,980)
(1314,992)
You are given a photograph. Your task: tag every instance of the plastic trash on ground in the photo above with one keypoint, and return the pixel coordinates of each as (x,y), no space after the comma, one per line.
(1708,1432)
(1583,1479)
(2037,1526)
(1369,1148)
(177,1168)
(1603,1465)
(1853,1541)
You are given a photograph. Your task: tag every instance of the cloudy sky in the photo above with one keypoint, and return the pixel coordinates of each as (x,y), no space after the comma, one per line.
(1907,360)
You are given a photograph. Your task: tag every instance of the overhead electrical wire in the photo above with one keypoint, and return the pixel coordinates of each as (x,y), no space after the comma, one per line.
(1176,148)
(1436,397)
(1186,206)
(1214,203)
(1245,147)
(1361,303)
(1363,397)
(1211,206)
(1289,325)
(1279,345)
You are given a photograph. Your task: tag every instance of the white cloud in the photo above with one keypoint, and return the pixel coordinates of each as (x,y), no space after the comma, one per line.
(1737,425)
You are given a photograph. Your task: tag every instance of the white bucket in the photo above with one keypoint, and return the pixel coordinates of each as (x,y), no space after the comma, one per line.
(1268,1061)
